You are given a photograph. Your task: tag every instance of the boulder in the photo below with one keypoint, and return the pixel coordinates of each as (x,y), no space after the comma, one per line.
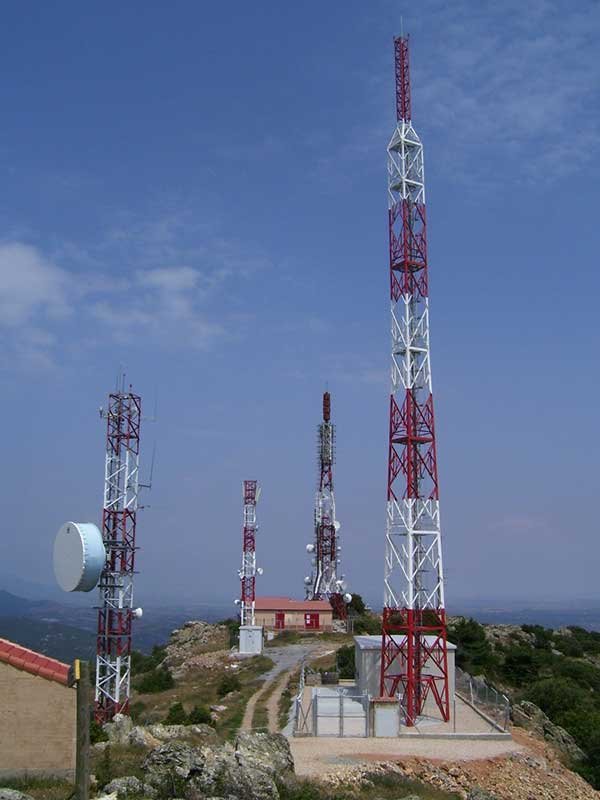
(269,752)
(529,716)
(118,729)
(480,794)
(13,794)
(215,770)
(141,737)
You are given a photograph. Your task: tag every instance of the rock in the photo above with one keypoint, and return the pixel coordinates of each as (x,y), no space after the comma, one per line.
(118,729)
(112,796)
(100,746)
(218,708)
(141,737)
(213,770)
(129,785)
(529,716)
(267,751)
(194,638)
(13,794)
(480,794)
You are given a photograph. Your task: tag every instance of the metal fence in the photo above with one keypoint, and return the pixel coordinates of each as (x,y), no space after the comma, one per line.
(484,698)
(329,710)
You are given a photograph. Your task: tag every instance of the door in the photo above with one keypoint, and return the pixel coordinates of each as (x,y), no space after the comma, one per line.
(279,620)
(311,620)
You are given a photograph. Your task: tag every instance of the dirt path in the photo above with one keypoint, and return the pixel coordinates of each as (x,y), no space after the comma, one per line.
(286,660)
(273,702)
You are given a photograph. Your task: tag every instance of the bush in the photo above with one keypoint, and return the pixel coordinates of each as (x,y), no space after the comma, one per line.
(345,662)
(228,683)
(519,667)
(368,624)
(159,680)
(141,663)
(568,646)
(176,715)
(474,653)
(96,733)
(199,715)
(556,696)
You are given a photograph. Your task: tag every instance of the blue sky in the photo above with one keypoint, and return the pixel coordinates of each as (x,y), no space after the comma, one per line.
(197,193)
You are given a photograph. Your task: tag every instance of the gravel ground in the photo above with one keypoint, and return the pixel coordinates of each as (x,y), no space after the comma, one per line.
(316,756)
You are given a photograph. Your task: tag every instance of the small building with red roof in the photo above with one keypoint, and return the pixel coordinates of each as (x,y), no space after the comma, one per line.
(283,613)
(37,714)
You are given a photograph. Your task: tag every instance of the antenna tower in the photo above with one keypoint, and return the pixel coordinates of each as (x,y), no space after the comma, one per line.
(323,583)
(248,571)
(115,613)
(414,619)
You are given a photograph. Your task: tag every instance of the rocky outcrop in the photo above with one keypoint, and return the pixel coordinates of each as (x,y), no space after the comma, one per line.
(121,731)
(529,716)
(194,638)
(246,770)
(129,785)
(507,635)
(13,794)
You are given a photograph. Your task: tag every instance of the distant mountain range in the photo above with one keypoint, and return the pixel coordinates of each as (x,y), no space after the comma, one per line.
(67,632)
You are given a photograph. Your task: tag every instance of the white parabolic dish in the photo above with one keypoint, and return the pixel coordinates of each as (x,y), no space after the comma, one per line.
(79,556)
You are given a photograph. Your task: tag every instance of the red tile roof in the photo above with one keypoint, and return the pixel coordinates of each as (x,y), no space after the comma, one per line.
(35,663)
(286,604)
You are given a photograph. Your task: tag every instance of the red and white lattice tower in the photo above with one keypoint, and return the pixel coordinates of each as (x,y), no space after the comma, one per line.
(324,583)
(414,663)
(115,614)
(248,570)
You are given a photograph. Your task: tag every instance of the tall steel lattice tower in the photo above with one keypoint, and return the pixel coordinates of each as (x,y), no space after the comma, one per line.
(115,614)
(248,569)
(414,662)
(323,583)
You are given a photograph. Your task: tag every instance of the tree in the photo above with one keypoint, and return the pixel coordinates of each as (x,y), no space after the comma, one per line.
(345,661)
(356,605)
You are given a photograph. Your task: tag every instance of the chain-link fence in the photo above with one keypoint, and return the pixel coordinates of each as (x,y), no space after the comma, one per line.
(484,698)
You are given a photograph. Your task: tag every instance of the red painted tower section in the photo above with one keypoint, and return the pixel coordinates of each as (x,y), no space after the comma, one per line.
(115,614)
(248,570)
(414,652)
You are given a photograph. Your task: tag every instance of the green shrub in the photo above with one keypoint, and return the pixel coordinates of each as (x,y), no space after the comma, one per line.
(141,663)
(474,653)
(520,667)
(367,624)
(199,715)
(96,733)
(176,715)
(543,636)
(568,645)
(159,680)
(555,696)
(345,662)
(228,683)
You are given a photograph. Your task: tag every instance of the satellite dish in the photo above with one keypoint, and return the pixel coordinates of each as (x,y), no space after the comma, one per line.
(310,548)
(79,556)
(347,597)
(307,580)
(337,525)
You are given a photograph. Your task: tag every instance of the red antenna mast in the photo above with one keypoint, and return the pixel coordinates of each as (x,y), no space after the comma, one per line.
(414,663)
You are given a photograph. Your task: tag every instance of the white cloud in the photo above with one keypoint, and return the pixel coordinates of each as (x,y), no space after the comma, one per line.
(30,285)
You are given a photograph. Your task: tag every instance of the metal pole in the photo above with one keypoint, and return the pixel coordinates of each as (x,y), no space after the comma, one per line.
(82,758)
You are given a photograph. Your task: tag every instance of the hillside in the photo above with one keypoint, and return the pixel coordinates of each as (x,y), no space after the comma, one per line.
(556,670)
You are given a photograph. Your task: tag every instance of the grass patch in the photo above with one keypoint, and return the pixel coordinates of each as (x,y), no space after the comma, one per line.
(117,761)
(384,787)
(40,788)
(286,699)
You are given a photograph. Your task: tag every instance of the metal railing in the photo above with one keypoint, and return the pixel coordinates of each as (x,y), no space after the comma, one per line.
(484,698)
